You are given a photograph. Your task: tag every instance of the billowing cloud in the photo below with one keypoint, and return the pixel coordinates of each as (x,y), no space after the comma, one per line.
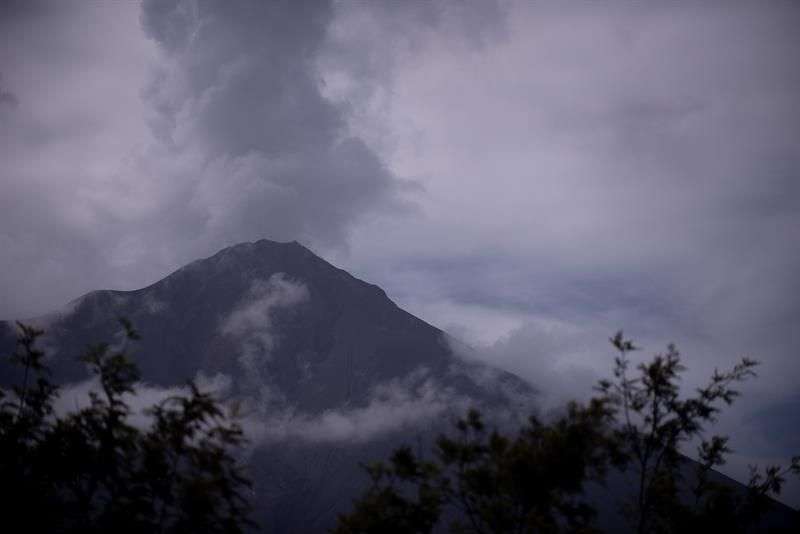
(237,99)
(168,131)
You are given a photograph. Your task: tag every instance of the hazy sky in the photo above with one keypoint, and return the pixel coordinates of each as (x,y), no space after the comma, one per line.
(530,177)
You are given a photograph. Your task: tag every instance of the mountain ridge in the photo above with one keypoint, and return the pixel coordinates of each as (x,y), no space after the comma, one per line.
(332,371)
(185,320)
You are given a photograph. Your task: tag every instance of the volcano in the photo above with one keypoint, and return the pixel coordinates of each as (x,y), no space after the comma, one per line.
(329,371)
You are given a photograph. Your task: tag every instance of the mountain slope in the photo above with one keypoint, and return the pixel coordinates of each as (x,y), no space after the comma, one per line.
(315,333)
(331,372)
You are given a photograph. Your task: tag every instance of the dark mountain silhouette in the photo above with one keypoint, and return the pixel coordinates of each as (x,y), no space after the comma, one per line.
(328,346)
(331,373)
(335,372)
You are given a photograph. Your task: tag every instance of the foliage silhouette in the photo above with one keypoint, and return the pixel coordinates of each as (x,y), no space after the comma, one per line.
(655,421)
(93,471)
(533,481)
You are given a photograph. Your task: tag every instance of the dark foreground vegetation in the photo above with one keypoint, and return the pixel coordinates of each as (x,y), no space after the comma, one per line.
(483,481)
(92,470)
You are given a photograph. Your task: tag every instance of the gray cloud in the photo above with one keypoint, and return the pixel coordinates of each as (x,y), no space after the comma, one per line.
(628,167)
(75,70)
(238,98)
(163,135)
(597,169)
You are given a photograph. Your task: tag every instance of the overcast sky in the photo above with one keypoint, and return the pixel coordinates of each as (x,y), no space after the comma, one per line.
(529,177)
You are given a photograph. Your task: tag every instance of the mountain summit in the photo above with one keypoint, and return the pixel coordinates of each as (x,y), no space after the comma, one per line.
(329,370)
(266,314)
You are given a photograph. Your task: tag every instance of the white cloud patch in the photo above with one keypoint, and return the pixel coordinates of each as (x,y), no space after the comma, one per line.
(409,401)
(561,361)
(392,406)
(251,322)
(74,397)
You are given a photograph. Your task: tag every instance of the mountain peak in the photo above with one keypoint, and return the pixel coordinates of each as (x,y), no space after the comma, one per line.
(261,246)
(248,257)
(268,312)
(318,355)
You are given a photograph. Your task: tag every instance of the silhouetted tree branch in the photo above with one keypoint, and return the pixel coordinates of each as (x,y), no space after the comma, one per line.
(533,481)
(93,471)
